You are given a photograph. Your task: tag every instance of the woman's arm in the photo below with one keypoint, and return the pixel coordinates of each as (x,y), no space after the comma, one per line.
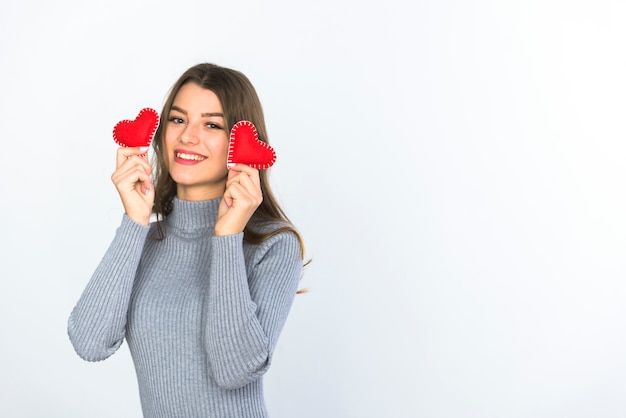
(97,324)
(247,310)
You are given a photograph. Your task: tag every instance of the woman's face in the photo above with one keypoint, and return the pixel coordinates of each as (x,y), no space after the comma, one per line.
(196,144)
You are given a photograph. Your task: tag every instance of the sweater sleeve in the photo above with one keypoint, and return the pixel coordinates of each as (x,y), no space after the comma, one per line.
(247,310)
(97,324)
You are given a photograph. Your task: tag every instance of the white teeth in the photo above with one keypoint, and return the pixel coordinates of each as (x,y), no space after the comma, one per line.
(191,157)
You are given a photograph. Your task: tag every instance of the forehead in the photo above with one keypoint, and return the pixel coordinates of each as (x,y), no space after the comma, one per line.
(192,97)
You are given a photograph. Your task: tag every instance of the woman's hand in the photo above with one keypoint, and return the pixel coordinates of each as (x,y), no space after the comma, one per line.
(242,197)
(134,184)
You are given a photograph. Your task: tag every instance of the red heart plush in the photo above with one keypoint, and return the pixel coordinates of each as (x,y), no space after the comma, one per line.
(246,148)
(138,132)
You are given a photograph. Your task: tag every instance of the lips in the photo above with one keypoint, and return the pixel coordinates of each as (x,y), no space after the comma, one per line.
(188,157)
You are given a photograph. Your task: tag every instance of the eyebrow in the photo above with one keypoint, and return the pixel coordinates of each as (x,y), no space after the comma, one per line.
(208,114)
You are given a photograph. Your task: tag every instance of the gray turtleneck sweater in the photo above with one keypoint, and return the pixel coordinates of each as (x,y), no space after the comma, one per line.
(201,314)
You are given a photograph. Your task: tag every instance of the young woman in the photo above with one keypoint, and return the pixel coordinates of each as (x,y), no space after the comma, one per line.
(201,294)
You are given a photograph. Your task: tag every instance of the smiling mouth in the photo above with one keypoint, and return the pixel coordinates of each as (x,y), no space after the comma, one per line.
(189,157)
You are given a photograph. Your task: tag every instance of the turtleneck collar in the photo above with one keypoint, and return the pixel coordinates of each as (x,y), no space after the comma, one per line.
(187,215)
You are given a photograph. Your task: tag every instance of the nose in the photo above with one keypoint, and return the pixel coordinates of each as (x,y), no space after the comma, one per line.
(191,134)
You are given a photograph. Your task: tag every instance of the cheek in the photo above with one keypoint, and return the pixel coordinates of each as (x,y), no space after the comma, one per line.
(224,152)
(221,156)
(219,148)
(168,138)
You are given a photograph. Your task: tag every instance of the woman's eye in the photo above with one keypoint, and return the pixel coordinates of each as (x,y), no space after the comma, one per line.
(213,125)
(176,120)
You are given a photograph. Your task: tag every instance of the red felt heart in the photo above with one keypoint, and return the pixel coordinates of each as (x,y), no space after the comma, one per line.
(138,132)
(246,148)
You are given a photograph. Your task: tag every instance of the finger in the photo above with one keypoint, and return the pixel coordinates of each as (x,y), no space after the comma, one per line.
(131,172)
(228,198)
(146,187)
(243,197)
(135,161)
(244,170)
(124,153)
(232,173)
(246,182)
(241,188)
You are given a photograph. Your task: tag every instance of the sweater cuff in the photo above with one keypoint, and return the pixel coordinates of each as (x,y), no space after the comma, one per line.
(129,227)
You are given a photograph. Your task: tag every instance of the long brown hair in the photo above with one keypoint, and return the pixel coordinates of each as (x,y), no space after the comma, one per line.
(239,102)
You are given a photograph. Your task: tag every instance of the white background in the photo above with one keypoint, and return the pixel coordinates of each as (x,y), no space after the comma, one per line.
(456,168)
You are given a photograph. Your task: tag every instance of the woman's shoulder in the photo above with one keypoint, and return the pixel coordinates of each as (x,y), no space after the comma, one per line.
(268,233)
(265,226)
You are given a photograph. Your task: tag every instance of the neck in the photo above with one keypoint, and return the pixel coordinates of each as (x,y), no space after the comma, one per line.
(193,216)
(195,194)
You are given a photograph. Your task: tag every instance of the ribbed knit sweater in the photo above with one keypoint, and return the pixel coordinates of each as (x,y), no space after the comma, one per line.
(201,314)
